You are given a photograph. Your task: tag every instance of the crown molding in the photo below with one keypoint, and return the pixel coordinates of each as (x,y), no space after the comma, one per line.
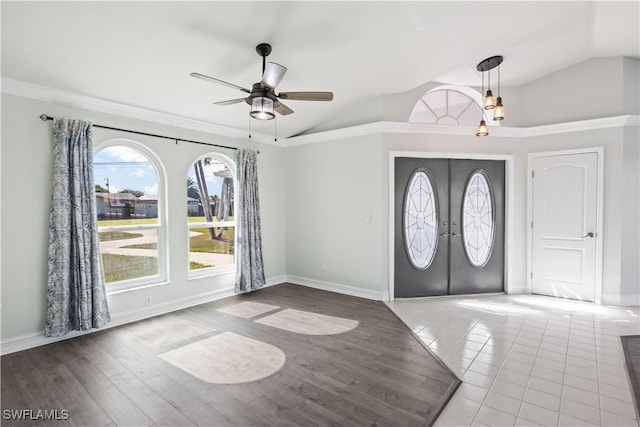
(382,127)
(48,94)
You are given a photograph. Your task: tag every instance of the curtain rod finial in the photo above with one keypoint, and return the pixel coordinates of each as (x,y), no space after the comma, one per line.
(44,117)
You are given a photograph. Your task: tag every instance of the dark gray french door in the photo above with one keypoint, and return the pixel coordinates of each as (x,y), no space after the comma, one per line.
(449,227)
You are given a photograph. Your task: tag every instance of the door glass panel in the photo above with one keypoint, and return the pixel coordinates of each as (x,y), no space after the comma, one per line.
(478,221)
(420,220)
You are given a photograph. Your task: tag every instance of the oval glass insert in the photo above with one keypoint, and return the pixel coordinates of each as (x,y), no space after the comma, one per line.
(478,221)
(420,220)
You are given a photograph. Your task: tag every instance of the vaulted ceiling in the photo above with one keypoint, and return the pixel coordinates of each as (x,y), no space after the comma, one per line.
(141,53)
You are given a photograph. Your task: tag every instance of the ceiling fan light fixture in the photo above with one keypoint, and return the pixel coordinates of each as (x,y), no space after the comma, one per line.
(262,108)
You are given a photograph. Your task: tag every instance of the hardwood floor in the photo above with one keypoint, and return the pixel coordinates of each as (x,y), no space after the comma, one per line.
(631,349)
(377,373)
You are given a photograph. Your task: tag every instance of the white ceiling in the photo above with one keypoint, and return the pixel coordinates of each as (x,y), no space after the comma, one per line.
(141,53)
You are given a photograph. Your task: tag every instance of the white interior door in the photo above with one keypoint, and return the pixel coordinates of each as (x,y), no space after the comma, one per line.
(565,225)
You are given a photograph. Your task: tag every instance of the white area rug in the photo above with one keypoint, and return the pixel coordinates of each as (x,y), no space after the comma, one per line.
(227,358)
(308,323)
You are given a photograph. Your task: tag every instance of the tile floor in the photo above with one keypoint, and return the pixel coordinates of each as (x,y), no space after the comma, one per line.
(528,360)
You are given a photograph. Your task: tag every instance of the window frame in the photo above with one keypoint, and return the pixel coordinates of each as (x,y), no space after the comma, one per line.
(475,97)
(221,269)
(161,277)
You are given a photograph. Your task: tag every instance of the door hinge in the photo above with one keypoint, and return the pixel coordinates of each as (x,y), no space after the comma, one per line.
(532,274)
(532,225)
(532,174)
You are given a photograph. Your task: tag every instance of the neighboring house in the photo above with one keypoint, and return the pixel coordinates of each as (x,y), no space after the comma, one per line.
(116,205)
(193,206)
(147,206)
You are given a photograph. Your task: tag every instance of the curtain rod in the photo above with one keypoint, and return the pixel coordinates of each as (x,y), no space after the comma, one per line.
(45,117)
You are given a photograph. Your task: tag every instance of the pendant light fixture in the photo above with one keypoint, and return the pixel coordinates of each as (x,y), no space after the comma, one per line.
(482,130)
(489,101)
(498,112)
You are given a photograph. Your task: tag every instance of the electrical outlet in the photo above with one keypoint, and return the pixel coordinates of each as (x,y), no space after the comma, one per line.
(147,300)
(365,218)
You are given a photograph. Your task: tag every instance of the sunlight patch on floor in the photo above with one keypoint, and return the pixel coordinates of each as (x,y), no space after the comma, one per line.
(227,358)
(305,322)
(169,331)
(248,309)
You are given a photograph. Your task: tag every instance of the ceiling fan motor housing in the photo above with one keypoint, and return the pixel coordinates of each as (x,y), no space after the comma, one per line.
(259,90)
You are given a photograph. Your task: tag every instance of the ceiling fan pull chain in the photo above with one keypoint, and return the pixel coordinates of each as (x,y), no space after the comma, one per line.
(275,130)
(249,127)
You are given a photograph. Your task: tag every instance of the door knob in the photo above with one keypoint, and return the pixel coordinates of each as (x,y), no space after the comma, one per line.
(589,234)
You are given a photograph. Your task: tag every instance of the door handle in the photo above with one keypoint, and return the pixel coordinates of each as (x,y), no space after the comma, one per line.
(445,234)
(589,234)
(454,234)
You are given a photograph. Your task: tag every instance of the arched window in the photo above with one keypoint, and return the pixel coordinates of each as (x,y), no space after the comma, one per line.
(456,105)
(210,210)
(129,207)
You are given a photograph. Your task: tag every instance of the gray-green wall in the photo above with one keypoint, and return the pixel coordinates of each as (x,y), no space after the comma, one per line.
(26,174)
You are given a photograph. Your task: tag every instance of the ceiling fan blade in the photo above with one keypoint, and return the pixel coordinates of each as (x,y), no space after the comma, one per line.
(273,74)
(222,82)
(230,101)
(283,109)
(306,96)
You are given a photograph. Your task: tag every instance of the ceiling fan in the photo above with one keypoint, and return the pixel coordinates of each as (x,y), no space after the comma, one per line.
(263,98)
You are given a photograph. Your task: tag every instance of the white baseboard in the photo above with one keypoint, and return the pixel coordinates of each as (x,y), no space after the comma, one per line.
(621,300)
(339,288)
(36,339)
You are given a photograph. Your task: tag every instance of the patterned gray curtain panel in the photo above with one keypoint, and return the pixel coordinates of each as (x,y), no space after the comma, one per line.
(250,268)
(76,296)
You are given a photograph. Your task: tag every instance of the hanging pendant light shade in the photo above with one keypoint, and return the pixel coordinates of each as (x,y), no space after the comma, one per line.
(483,129)
(498,112)
(489,101)
(262,108)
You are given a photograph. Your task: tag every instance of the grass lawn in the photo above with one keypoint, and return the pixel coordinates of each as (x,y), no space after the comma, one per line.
(106,236)
(124,267)
(132,221)
(200,243)
(204,243)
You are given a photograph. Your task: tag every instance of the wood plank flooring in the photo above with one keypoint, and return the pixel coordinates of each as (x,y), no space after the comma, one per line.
(375,374)
(631,348)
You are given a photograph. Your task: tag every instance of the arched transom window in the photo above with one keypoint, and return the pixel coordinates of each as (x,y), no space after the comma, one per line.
(453,105)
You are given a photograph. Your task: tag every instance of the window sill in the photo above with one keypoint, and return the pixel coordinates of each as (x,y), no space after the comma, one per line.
(135,288)
(217,272)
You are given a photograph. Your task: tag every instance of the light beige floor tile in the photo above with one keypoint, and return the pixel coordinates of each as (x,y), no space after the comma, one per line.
(545,400)
(545,386)
(494,417)
(538,414)
(569,421)
(616,420)
(581,411)
(503,403)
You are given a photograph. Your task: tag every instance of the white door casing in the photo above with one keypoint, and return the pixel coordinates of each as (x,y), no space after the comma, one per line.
(509,284)
(565,194)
